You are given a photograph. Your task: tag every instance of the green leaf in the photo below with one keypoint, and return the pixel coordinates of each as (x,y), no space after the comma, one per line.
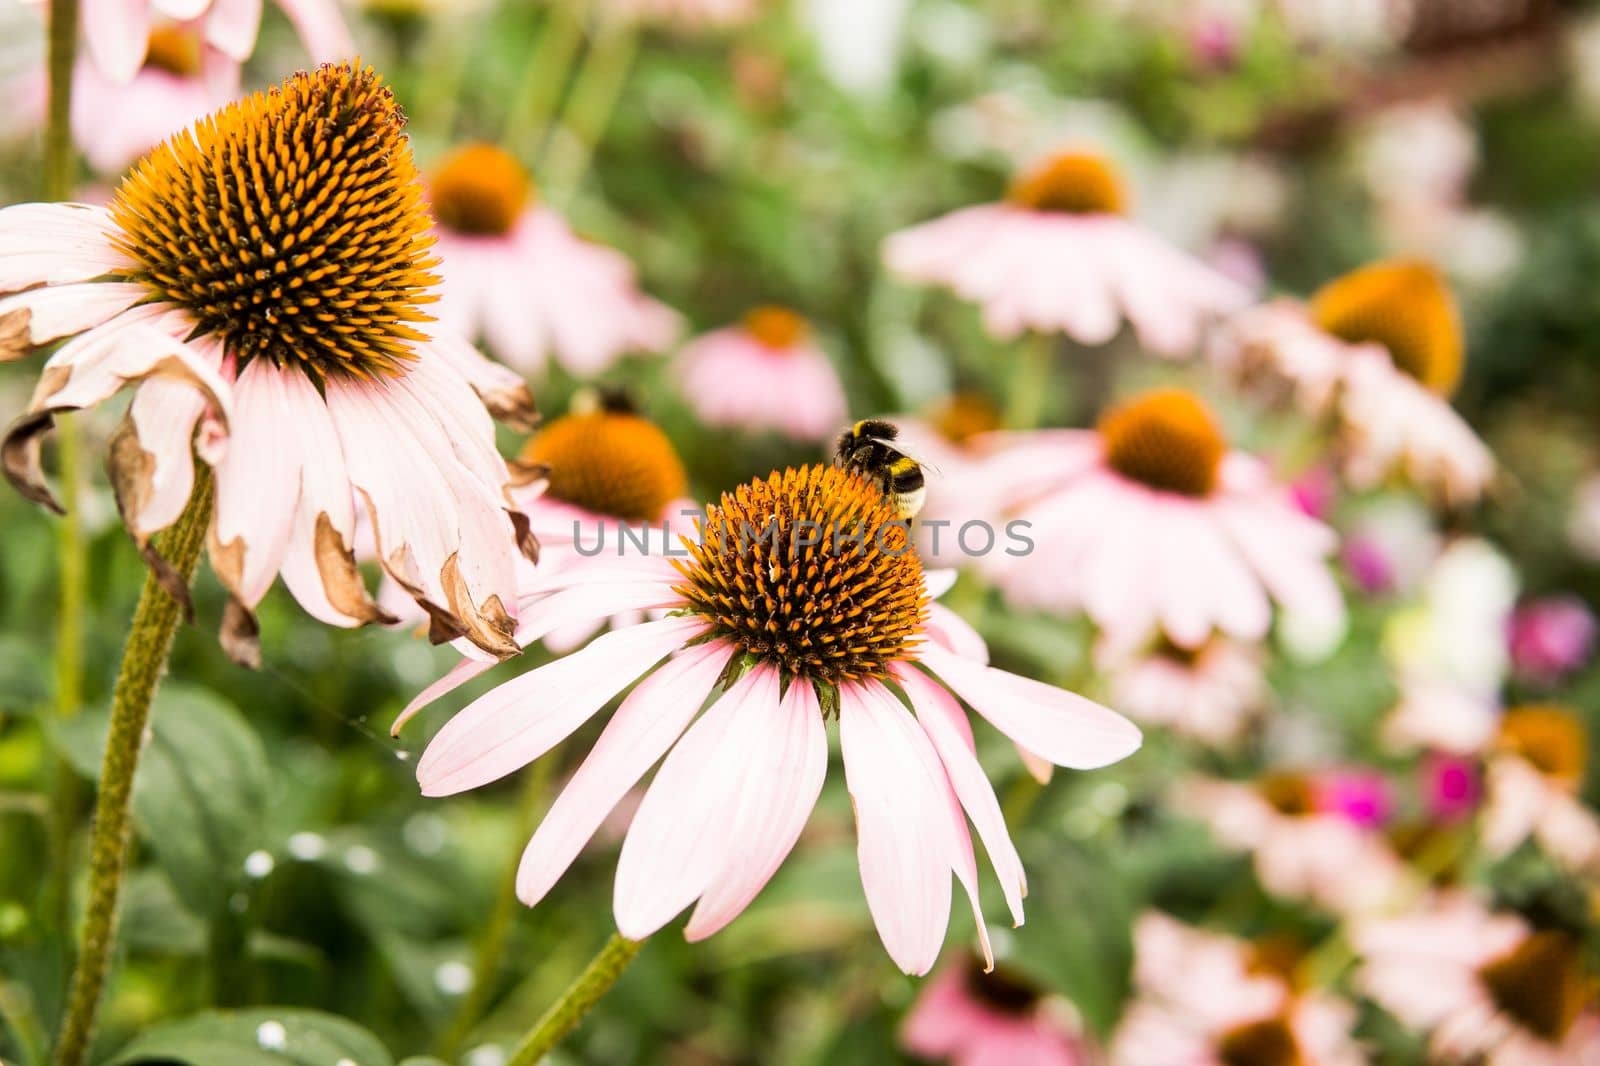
(201,791)
(264,1036)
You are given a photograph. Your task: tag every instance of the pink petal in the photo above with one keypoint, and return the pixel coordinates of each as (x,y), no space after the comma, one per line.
(322,29)
(903,832)
(57,311)
(516,723)
(117,32)
(680,836)
(258,480)
(454,678)
(783,779)
(164,414)
(947,728)
(232,27)
(653,716)
(589,604)
(1058,725)
(54,244)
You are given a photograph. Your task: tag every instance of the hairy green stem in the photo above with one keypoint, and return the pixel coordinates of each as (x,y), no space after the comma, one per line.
(72,549)
(1030,381)
(502,917)
(589,107)
(144,659)
(544,76)
(565,1014)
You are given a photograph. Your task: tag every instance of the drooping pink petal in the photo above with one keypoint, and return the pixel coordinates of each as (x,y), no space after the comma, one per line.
(783,779)
(321,28)
(258,482)
(55,244)
(1058,725)
(516,723)
(903,832)
(36,317)
(232,26)
(680,836)
(649,721)
(951,735)
(117,32)
(454,678)
(163,415)
(589,604)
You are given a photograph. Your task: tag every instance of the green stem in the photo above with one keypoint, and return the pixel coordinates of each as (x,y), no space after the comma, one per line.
(144,659)
(502,918)
(72,548)
(545,75)
(594,97)
(565,1014)
(1030,381)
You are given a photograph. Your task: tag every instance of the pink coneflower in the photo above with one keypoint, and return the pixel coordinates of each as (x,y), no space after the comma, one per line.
(1150,524)
(1203,999)
(1532,785)
(118,31)
(1551,638)
(1058,256)
(767,373)
(1380,350)
(1485,986)
(968,1016)
(786,635)
(113,124)
(1209,693)
(284,326)
(1301,849)
(610,472)
(515,272)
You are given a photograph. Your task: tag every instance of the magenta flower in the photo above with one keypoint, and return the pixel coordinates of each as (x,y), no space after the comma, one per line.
(1451,786)
(1551,638)
(780,636)
(1362,797)
(969,1017)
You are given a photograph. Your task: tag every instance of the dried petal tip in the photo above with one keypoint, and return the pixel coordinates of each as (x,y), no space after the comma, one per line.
(290,225)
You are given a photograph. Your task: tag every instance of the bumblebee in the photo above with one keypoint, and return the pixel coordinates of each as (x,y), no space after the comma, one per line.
(869,449)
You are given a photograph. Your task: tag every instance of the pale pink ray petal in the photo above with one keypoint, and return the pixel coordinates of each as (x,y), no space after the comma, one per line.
(319,566)
(163,415)
(232,26)
(649,721)
(36,317)
(903,831)
(680,836)
(180,10)
(591,604)
(1058,725)
(258,484)
(955,633)
(516,723)
(117,33)
(1297,579)
(452,679)
(321,28)
(782,782)
(55,244)
(951,735)
(501,389)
